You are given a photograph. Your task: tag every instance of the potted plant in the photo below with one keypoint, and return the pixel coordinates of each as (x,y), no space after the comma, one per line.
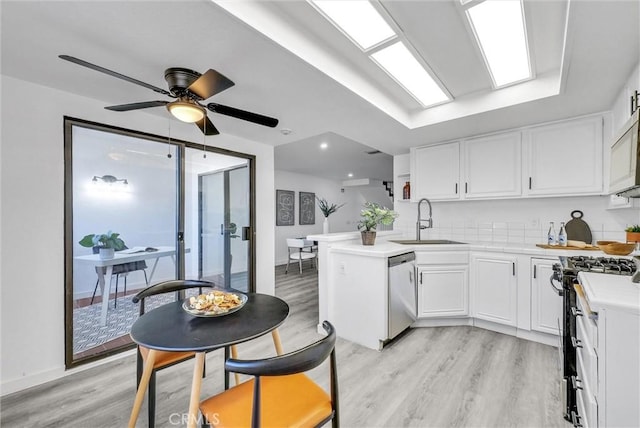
(327,209)
(107,243)
(372,215)
(633,233)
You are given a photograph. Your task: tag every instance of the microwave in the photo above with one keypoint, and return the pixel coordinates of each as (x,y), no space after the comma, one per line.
(625,167)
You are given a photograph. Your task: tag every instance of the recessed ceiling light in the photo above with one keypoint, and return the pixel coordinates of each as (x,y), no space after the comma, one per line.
(357,19)
(499,28)
(285,131)
(323,146)
(350,174)
(405,69)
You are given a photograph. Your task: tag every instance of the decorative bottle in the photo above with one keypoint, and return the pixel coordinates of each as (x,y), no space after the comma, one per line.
(562,236)
(551,235)
(406,191)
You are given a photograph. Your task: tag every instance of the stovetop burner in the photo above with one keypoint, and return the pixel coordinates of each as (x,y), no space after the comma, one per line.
(610,265)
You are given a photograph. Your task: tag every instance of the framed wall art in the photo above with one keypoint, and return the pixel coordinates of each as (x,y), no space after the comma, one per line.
(307,213)
(285,207)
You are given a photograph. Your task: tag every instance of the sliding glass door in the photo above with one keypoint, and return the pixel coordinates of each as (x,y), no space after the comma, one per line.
(179,211)
(224,226)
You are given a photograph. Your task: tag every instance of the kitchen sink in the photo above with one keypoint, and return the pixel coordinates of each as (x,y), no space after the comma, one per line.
(425,242)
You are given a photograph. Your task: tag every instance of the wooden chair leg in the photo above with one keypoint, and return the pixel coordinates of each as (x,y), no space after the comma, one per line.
(275,334)
(234,355)
(300,263)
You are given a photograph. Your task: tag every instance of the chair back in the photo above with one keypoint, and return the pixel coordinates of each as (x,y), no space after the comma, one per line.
(168,287)
(298,361)
(295,243)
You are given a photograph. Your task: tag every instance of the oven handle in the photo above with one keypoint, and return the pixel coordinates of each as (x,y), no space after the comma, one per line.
(558,291)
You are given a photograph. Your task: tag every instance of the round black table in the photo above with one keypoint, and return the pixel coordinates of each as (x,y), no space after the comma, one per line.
(171,328)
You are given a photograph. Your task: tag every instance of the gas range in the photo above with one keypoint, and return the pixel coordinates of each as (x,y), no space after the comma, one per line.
(609,265)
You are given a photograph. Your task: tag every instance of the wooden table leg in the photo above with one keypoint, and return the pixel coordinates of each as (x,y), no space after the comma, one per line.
(196,383)
(234,355)
(276,341)
(142,388)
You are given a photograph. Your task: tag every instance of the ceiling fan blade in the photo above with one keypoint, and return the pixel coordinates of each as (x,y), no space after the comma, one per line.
(114,74)
(136,106)
(244,115)
(207,127)
(209,84)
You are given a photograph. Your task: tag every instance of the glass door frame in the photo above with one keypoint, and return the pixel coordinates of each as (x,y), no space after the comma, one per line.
(69,239)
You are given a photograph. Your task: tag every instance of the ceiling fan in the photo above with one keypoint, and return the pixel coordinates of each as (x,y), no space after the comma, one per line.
(189,88)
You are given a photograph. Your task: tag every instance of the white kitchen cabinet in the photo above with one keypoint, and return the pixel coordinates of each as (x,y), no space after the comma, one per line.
(546,304)
(564,158)
(443,291)
(492,166)
(494,288)
(436,172)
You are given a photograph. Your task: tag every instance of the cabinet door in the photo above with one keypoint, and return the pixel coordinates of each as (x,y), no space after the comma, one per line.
(442,291)
(493,166)
(436,172)
(494,285)
(546,304)
(565,158)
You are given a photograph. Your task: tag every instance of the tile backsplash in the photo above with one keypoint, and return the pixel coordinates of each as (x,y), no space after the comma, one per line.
(516,221)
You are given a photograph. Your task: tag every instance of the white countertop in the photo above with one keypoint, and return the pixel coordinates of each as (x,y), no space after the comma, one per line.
(384,248)
(610,290)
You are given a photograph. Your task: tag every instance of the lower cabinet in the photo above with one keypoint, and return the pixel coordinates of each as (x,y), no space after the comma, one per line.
(546,303)
(494,288)
(443,291)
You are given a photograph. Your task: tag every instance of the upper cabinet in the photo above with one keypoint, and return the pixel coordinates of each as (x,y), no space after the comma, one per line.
(436,172)
(492,166)
(564,158)
(559,159)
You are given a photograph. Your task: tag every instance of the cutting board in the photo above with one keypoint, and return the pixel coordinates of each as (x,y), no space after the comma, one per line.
(558,247)
(577,229)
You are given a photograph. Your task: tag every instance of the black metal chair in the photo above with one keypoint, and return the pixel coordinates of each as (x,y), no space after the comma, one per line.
(280,394)
(164,359)
(121,269)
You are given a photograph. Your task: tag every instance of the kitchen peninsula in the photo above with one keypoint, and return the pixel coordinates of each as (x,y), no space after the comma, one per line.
(502,287)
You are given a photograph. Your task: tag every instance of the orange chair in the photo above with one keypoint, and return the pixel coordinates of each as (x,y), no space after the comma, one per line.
(280,394)
(164,359)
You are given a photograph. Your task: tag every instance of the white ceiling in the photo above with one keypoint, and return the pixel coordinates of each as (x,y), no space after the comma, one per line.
(315,81)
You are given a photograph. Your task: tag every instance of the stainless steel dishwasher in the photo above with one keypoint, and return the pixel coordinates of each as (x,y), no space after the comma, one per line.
(403,293)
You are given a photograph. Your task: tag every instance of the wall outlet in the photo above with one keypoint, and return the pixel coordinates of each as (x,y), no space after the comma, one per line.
(343,268)
(534,223)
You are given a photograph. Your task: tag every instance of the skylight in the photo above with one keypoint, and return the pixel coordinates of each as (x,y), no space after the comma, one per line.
(402,66)
(500,31)
(358,19)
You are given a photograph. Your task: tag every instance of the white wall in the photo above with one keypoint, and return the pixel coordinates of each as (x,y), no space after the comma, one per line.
(32,223)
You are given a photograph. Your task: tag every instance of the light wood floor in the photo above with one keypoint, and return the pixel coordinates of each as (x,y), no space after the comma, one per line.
(431,377)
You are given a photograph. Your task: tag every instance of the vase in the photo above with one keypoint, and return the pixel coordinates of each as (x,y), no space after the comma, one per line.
(633,236)
(368,237)
(107,253)
(325,225)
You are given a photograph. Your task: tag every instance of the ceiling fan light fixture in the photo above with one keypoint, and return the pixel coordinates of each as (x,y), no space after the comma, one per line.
(186,111)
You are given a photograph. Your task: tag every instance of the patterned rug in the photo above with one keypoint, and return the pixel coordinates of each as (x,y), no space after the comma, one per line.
(87,331)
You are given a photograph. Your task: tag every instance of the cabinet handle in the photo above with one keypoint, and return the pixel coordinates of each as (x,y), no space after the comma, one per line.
(534,271)
(420,277)
(575,381)
(466,187)
(513,267)
(576,312)
(456,188)
(575,419)
(529,183)
(576,343)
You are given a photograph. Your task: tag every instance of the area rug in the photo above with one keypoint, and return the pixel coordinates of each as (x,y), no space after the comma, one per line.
(87,331)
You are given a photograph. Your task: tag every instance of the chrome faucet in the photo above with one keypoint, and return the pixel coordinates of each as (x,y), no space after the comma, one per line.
(429,221)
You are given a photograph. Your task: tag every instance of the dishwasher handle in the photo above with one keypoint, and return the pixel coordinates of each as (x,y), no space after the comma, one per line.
(401,258)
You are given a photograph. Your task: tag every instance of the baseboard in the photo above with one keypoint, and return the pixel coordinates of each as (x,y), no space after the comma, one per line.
(442,322)
(35,379)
